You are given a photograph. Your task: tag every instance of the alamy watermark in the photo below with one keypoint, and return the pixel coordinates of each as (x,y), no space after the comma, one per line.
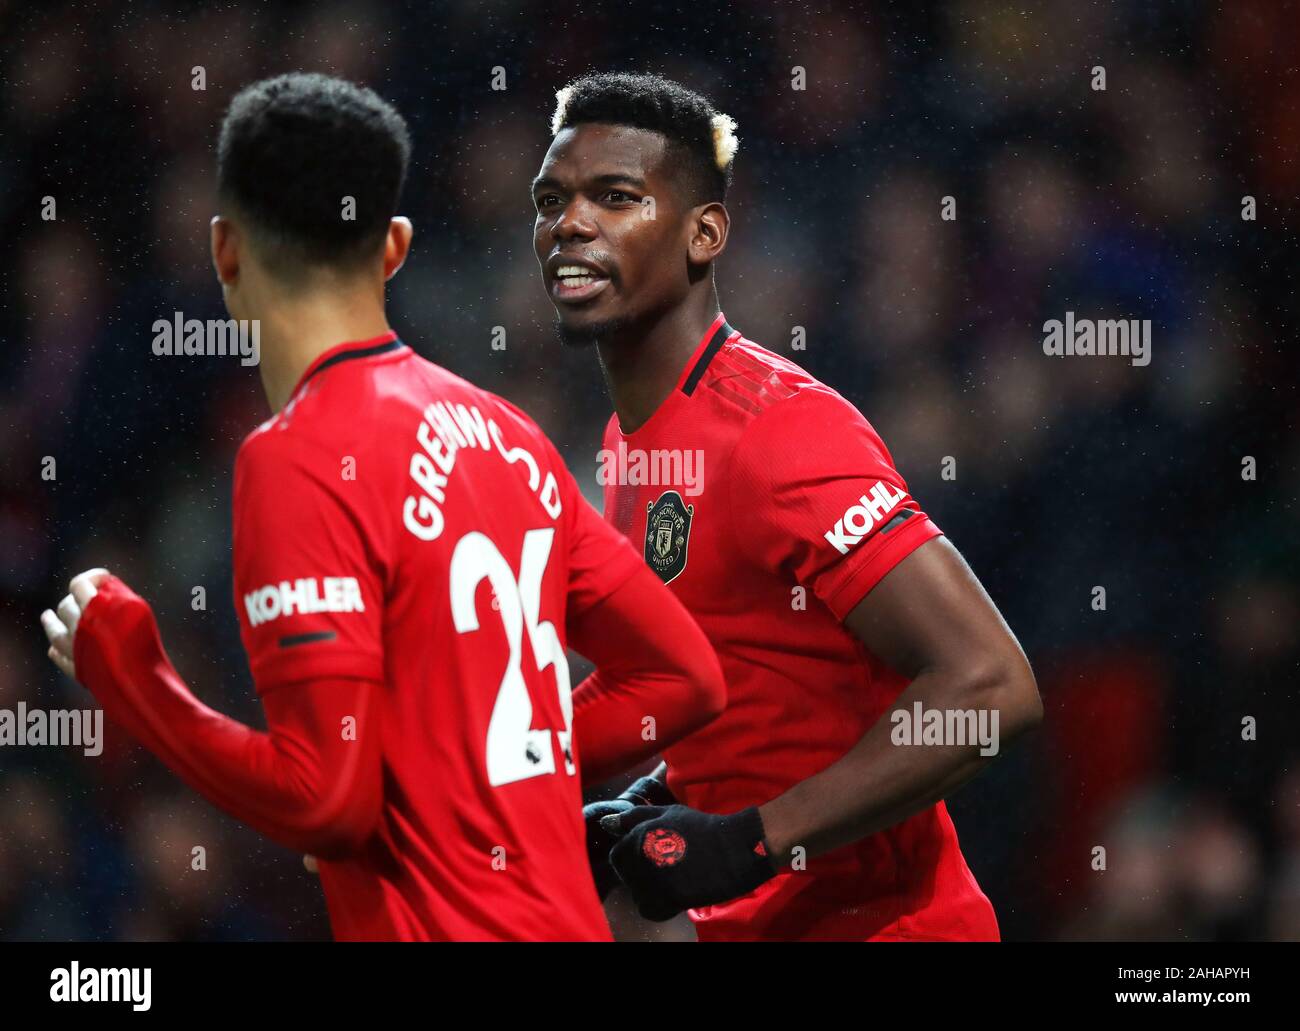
(1098,338)
(210,338)
(666,467)
(922,726)
(60,728)
(75,983)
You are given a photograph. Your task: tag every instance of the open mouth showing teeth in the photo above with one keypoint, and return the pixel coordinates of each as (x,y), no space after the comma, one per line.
(577,284)
(576,275)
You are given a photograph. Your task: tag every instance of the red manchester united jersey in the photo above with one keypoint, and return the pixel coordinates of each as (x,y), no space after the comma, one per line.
(771,508)
(397,524)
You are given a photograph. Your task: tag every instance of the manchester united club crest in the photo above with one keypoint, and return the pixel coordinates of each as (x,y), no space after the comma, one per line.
(664,847)
(667,534)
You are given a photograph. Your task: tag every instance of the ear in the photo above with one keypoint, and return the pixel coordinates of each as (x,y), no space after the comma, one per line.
(225,243)
(397,246)
(709,233)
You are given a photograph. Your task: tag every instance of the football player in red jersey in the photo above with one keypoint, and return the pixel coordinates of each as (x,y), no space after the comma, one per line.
(838,609)
(411,558)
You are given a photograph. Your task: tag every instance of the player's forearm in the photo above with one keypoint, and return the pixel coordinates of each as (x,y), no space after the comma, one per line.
(657,679)
(620,721)
(275,782)
(880,783)
(299,784)
(272,782)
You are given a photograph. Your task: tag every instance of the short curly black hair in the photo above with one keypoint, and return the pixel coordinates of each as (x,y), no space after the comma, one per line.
(292,149)
(703,139)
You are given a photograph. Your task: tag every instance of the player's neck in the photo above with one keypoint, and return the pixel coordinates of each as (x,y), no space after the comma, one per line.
(295,333)
(642,368)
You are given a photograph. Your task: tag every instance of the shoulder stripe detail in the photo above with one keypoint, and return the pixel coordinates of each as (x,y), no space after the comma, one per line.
(745,401)
(720,337)
(723,364)
(743,359)
(763,381)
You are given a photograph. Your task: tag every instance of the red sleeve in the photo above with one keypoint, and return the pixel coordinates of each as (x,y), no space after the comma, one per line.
(600,558)
(309,589)
(822,500)
(657,677)
(312,781)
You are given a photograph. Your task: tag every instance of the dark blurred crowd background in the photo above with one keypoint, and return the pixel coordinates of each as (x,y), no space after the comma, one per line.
(1071,473)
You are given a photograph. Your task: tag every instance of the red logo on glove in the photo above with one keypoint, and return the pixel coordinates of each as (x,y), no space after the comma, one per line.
(664,847)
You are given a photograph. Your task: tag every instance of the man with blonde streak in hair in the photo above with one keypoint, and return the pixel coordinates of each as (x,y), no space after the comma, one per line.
(830,596)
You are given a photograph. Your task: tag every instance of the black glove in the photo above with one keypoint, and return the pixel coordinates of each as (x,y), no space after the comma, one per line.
(678,858)
(645,792)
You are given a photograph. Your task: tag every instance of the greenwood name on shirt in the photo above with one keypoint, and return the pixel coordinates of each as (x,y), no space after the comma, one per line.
(395,523)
